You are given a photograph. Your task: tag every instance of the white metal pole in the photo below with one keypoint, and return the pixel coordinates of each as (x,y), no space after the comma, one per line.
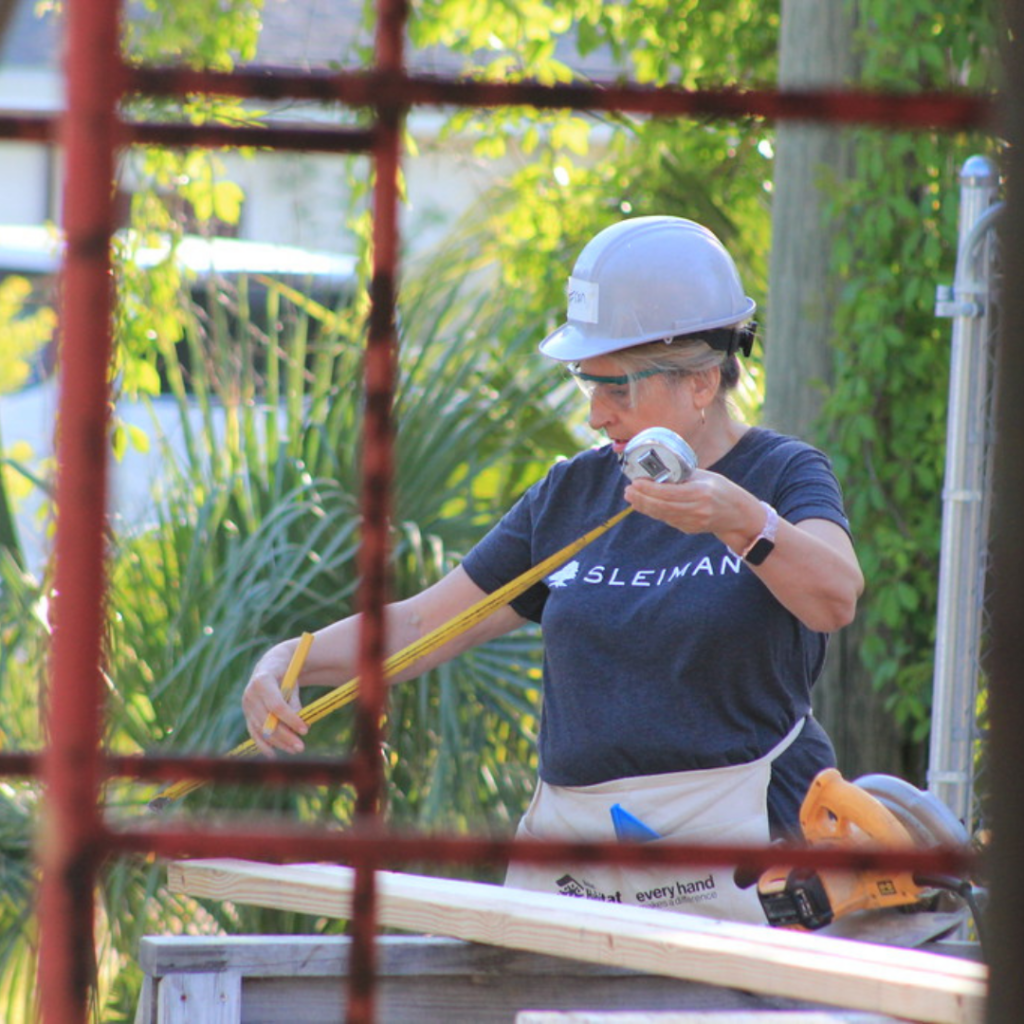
(965,498)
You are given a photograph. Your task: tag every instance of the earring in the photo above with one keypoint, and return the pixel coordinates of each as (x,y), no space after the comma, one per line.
(702,420)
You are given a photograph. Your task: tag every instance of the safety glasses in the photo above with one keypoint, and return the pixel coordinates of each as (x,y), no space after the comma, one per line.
(620,389)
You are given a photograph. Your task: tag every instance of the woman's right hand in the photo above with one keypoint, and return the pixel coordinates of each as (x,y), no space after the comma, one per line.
(262,697)
(333,657)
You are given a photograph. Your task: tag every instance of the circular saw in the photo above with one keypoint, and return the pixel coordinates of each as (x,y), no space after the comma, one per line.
(875,811)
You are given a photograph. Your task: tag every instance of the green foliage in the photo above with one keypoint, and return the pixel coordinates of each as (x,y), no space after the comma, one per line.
(18,995)
(693,44)
(211,36)
(23,332)
(258,534)
(575,174)
(885,420)
(197,32)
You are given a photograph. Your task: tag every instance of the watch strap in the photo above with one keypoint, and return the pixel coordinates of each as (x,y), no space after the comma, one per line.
(764,543)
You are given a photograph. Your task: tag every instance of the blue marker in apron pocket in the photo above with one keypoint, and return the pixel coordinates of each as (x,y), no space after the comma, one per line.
(629,829)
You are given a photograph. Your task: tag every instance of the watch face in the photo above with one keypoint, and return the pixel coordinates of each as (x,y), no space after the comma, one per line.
(760,551)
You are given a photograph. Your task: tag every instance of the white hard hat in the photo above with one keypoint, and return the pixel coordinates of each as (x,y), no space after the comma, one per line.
(648,279)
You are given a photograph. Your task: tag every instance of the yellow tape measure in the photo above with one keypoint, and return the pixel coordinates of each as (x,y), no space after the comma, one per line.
(346,693)
(291,677)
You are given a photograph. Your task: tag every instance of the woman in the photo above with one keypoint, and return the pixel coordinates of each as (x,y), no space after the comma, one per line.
(681,646)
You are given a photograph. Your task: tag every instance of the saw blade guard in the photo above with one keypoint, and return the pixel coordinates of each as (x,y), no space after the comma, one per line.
(928,820)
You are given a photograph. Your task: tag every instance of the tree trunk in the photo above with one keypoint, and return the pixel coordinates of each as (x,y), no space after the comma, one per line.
(816,50)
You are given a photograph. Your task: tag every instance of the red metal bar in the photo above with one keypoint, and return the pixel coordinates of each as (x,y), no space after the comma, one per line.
(69,846)
(369,843)
(21,762)
(237,771)
(256,771)
(378,470)
(302,138)
(292,137)
(29,128)
(948,110)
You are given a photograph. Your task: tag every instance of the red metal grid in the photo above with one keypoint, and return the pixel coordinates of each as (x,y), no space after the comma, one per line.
(75,837)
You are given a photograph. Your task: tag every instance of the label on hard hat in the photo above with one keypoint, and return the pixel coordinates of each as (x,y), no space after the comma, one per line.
(581,300)
(659,454)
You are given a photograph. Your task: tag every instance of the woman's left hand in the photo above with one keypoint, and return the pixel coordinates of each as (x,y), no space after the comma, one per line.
(705,503)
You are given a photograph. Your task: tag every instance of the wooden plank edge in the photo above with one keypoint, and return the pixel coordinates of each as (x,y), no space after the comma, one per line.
(327,956)
(692,1017)
(323,879)
(838,972)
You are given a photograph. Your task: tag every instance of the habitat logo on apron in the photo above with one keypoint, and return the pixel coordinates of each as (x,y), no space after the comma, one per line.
(677,892)
(582,889)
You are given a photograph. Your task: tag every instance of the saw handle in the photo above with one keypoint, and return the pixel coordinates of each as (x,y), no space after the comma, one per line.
(835,810)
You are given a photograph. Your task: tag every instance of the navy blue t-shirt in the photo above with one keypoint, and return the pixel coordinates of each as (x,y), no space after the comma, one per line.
(663,651)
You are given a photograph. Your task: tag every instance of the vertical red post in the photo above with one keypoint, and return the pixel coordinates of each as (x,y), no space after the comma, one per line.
(69,844)
(378,471)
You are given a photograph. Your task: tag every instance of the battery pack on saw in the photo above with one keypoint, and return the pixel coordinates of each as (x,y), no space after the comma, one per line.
(797,899)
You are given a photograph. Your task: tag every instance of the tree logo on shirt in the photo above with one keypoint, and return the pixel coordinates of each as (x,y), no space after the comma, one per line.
(564,575)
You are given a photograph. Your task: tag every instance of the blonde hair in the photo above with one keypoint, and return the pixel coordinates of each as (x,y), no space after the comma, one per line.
(682,357)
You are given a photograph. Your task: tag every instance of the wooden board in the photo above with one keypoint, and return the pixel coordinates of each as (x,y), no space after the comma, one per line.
(210,998)
(674,1017)
(838,972)
(304,980)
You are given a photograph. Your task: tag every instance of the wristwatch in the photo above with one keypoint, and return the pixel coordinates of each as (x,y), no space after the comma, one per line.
(764,543)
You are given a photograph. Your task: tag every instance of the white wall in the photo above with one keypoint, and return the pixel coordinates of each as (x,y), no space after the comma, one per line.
(290,198)
(25,184)
(27,179)
(30,90)
(301,198)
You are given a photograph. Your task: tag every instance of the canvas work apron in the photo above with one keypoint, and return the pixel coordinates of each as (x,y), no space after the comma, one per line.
(726,806)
